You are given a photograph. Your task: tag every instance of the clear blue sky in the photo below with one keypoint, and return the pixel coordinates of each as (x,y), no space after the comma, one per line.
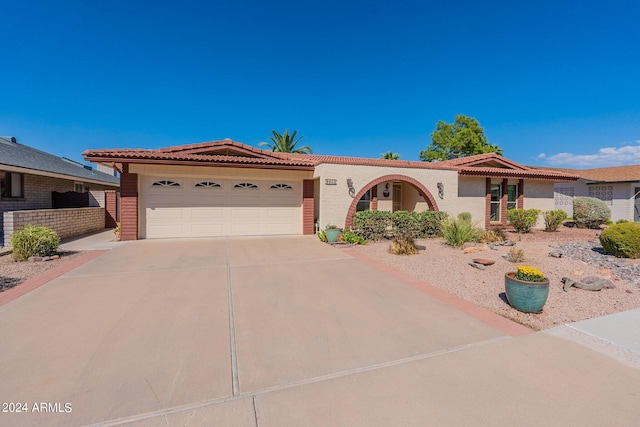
(553,83)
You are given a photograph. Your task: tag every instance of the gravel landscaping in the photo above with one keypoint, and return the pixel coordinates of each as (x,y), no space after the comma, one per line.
(448,268)
(12,273)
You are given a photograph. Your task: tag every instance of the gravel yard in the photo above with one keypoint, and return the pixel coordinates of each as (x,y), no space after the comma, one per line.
(448,268)
(13,273)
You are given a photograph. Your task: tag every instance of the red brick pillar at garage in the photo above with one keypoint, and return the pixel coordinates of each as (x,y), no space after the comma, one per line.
(128,204)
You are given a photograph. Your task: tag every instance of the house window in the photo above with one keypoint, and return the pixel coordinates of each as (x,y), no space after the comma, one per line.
(78,187)
(281,187)
(245,185)
(512,196)
(11,185)
(364,204)
(166,183)
(496,196)
(207,184)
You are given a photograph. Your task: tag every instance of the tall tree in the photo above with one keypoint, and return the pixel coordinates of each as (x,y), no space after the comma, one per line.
(390,155)
(285,143)
(464,137)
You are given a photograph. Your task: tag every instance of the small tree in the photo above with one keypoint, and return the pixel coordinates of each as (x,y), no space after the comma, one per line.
(464,137)
(390,155)
(553,219)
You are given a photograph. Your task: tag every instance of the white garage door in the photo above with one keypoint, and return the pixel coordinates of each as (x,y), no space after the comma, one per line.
(187,207)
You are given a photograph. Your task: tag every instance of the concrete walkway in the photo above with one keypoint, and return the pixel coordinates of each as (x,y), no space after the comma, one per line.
(287,331)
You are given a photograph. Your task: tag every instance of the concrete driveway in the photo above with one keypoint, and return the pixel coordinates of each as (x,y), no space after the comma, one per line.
(281,331)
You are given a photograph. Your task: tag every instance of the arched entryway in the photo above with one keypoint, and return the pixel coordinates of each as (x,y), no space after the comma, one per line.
(428,197)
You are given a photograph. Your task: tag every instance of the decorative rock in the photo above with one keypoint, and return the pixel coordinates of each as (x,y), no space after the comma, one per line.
(55,257)
(484,261)
(555,254)
(34,258)
(477,265)
(591,253)
(46,258)
(471,249)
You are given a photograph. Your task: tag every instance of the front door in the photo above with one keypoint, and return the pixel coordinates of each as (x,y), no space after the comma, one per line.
(397,196)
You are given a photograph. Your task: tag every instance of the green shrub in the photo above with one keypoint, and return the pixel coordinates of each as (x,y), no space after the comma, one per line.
(34,240)
(376,225)
(457,232)
(495,234)
(523,220)
(372,225)
(621,221)
(589,212)
(403,246)
(322,235)
(464,216)
(622,240)
(553,219)
(353,238)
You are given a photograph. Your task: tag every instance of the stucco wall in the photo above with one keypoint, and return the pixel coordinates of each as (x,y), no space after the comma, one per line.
(66,222)
(618,196)
(335,199)
(471,198)
(539,195)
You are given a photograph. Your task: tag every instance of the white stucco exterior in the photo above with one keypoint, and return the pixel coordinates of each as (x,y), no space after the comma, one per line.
(620,197)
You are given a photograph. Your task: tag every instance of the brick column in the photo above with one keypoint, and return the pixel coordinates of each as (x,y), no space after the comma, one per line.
(128,205)
(504,201)
(308,205)
(110,211)
(521,194)
(487,204)
(374,198)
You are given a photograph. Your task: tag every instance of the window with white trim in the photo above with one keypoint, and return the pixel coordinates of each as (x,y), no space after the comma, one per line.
(166,183)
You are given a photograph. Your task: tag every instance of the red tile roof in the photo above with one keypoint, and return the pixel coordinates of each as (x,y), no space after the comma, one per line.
(229,153)
(612,174)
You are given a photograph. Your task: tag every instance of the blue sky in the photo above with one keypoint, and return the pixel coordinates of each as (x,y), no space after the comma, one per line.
(553,83)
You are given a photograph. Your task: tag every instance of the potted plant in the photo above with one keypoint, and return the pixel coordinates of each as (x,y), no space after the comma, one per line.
(527,289)
(332,232)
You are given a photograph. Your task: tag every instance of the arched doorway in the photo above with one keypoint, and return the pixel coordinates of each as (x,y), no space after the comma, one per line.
(428,197)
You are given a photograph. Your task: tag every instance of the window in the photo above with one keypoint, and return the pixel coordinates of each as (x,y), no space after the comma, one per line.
(11,185)
(496,195)
(166,183)
(245,185)
(364,204)
(281,187)
(512,196)
(78,187)
(208,184)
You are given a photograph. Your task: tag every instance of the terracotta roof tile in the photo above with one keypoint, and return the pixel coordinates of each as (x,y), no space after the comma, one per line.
(627,173)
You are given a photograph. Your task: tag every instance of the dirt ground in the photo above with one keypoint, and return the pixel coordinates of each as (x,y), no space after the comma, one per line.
(448,268)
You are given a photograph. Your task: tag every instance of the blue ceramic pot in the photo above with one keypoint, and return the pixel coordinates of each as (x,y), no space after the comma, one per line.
(332,234)
(528,297)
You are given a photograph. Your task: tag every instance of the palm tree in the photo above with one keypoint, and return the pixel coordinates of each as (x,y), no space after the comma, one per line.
(286,143)
(390,155)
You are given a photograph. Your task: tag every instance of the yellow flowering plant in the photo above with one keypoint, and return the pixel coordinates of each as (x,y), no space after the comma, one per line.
(529,274)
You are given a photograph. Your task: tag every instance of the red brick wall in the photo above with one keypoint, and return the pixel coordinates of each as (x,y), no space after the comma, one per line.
(308,204)
(110,209)
(374,198)
(487,203)
(129,206)
(521,194)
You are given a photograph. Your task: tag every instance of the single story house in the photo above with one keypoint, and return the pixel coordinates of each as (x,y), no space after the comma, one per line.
(618,187)
(32,182)
(226,188)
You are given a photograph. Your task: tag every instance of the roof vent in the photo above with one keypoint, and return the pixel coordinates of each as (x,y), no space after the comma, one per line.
(88,167)
(10,139)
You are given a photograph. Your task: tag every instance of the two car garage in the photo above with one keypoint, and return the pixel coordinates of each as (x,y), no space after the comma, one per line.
(174,206)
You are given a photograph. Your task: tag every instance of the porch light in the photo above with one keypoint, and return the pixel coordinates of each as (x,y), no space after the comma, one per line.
(352,191)
(385,192)
(441,190)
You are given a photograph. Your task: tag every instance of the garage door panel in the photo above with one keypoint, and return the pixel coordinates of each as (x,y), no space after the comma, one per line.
(165,214)
(219,208)
(205,214)
(207,230)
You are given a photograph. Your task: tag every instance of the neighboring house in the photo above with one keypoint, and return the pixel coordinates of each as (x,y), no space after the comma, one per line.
(617,186)
(225,188)
(31,179)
